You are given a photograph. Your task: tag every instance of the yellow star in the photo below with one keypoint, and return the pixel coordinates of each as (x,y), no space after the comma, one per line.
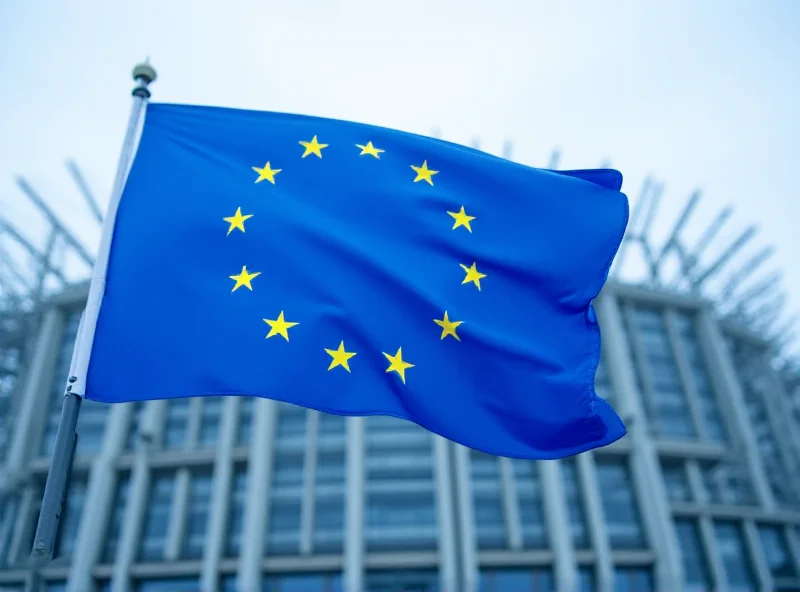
(424,173)
(448,326)
(473,275)
(370,149)
(266,173)
(243,279)
(279,326)
(313,147)
(340,357)
(237,220)
(397,364)
(461,219)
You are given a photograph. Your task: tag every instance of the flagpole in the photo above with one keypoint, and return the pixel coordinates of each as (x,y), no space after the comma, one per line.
(58,474)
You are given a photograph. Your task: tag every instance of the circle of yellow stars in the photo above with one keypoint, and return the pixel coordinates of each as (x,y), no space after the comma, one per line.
(340,357)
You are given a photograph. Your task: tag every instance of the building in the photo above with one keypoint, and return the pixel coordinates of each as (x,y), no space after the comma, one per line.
(702,494)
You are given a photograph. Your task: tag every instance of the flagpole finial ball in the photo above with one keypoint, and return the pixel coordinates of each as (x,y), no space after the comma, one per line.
(144,71)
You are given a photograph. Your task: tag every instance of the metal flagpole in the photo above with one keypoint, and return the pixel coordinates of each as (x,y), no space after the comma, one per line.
(58,473)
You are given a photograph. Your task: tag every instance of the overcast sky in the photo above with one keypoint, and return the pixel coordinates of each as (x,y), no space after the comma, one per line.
(698,94)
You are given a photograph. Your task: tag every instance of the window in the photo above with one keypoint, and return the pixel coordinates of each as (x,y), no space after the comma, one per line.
(401,581)
(312,582)
(675,481)
(529,492)
(619,505)
(329,501)
(776,551)
(732,553)
(283,524)
(756,388)
(71,518)
(291,431)
(633,579)
(726,482)
(91,426)
(487,501)
(209,421)
(574,500)
(667,406)
(699,374)
(167,585)
(197,517)
(157,517)
(332,430)
(175,423)
(284,527)
(586,580)
(523,579)
(233,538)
(602,383)
(400,498)
(116,520)
(695,566)
(245,425)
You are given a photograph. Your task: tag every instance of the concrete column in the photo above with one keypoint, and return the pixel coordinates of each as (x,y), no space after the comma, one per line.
(448,577)
(587,471)
(258,480)
(35,396)
(752,546)
(555,511)
(177,515)
(99,499)
(466,520)
(726,381)
(708,541)
(130,536)
(508,486)
(138,493)
(220,495)
(354,509)
(719,579)
(309,481)
(647,479)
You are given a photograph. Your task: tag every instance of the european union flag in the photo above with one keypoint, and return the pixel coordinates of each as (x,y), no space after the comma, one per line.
(360,271)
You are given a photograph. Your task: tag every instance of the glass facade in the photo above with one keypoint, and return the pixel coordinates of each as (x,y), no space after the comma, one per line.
(435,516)
(664,397)
(400,494)
(695,566)
(620,507)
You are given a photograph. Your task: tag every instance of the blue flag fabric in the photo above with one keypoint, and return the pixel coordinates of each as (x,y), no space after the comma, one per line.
(359,270)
